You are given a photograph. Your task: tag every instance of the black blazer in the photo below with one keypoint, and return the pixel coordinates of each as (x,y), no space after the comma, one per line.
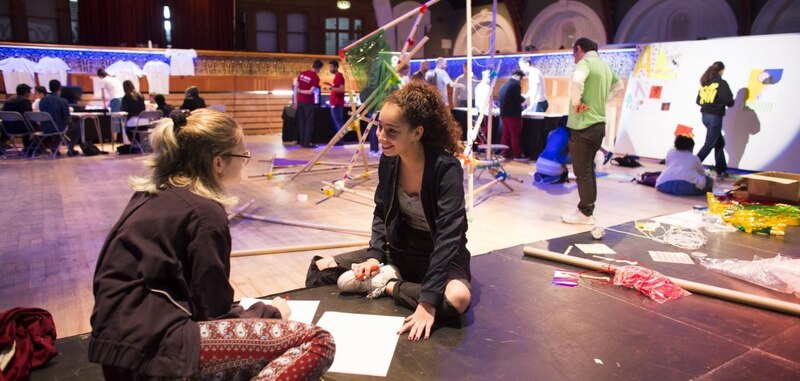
(442,198)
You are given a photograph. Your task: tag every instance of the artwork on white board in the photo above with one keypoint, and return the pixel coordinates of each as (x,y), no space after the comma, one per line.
(761,130)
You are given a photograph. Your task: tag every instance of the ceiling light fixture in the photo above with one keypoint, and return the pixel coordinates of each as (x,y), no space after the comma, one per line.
(343,4)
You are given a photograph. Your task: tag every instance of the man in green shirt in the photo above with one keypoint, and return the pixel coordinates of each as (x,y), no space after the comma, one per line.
(590,87)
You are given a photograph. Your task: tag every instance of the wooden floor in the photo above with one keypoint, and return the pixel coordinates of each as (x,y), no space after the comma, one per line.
(56,213)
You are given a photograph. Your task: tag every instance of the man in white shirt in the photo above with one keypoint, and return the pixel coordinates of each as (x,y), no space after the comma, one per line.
(111,90)
(441,79)
(537,102)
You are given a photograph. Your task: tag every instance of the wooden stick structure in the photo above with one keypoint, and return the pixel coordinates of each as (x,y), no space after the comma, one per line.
(695,287)
(393,23)
(240,209)
(360,150)
(292,249)
(336,188)
(369,104)
(305,224)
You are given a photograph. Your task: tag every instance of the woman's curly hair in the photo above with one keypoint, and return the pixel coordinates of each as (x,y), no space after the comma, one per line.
(421,105)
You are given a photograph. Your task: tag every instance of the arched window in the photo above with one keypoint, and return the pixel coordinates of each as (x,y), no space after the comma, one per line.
(679,27)
(5,21)
(568,34)
(42,21)
(297,33)
(340,32)
(167,25)
(266,32)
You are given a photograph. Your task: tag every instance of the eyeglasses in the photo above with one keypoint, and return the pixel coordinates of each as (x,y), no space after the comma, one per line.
(244,155)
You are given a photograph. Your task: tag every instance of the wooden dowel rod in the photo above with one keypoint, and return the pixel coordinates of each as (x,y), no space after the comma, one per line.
(240,209)
(305,224)
(292,249)
(695,287)
(391,24)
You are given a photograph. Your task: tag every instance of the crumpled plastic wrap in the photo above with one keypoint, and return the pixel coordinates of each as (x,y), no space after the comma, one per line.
(651,283)
(777,273)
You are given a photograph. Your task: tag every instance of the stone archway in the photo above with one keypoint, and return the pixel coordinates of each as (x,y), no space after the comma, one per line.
(655,20)
(778,16)
(505,40)
(561,24)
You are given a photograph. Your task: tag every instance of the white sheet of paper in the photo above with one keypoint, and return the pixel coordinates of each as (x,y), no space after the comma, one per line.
(671,257)
(689,219)
(365,344)
(302,310)
(595,248)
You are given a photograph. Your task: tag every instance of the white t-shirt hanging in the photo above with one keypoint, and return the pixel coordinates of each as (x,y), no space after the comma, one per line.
(157,73)
(16,71)
(126,71)
(181,61)
(50,68)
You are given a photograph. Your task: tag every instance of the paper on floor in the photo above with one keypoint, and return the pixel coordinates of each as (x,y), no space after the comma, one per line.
(689,219)
(595,248)
(302,310)
(365,344)
(671,257)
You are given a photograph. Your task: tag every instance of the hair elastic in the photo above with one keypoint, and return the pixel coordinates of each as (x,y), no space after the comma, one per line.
(178,122)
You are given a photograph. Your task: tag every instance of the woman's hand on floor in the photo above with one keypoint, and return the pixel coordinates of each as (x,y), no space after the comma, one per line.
(282,306)
(420,322)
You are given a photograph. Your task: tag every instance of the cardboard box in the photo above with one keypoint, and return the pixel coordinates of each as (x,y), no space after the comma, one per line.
(775,186)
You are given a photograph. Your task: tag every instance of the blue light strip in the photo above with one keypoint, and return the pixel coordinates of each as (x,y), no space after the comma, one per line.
(554,64)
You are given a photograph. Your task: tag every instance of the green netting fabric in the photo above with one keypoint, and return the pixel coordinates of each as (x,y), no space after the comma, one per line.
(372,65)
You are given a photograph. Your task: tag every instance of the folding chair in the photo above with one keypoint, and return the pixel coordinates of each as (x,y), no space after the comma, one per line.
(47,127)
(14,125)
(143,126)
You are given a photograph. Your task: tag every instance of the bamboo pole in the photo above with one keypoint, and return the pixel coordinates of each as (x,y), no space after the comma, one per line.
(392,23)
(292,249)
(340,134)
(240,209)
(305,224)
(407,43)
(695,287)
(360,149)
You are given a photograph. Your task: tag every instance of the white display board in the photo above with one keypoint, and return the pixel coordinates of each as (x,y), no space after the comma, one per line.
(761,131)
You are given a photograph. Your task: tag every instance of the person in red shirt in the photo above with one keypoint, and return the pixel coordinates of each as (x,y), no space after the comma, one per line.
(307,83)
(337,96)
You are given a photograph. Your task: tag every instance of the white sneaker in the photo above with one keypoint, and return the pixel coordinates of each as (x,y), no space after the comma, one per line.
(374,153)
(374,287)
(578,218)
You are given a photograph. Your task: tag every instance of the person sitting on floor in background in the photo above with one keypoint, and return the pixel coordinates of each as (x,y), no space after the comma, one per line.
(58,108)
(40,93)
(21,104)
(419,225)
(133,104)
(163,301)
(551,165)
(162,105)
(193,100)
(684,174)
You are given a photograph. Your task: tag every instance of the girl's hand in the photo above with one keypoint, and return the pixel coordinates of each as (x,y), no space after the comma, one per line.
(282,306)
(420,322)
(365,270)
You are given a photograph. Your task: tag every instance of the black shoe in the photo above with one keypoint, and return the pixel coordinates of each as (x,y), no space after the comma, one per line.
(311,145)
(607,157)
(72,153)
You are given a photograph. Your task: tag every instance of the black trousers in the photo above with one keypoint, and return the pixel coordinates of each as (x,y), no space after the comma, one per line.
(583,146)
(305,123)
(412,263)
